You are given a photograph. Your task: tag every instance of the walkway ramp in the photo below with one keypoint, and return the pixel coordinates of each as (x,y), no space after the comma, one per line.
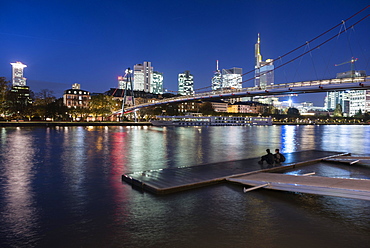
(343,187)
(347,160)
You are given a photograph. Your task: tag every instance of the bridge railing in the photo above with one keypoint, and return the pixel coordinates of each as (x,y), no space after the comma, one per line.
(220,93)
(319,82)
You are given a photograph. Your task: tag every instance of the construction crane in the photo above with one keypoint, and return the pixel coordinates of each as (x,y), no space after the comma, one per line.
(352,61)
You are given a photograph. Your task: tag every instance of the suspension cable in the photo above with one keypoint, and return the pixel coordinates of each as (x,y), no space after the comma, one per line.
(295,49)
(307,42)
(310,49)
(117,86)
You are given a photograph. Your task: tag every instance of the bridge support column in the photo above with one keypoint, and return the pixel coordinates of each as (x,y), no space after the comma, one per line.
(128,92)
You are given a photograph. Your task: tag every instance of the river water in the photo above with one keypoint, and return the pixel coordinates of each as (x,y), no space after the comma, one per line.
(61,187)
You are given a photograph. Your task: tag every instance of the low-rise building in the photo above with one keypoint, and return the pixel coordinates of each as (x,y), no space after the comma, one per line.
(188,107)
(246,108)
(75,97)
(219,106)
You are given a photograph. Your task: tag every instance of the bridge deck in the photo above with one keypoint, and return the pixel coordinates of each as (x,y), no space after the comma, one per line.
(343,187)
(176,179)
(275,89)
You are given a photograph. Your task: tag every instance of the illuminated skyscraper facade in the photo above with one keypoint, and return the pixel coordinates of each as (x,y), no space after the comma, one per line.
(264,70)
(143,75)
(359,102)
(232,78)
(157,83)
(186,83)
(352,101)
(334,98)
(17,74)
(20,93)
(217,79)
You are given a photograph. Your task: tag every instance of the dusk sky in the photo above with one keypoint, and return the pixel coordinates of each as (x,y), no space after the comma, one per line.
(92,42)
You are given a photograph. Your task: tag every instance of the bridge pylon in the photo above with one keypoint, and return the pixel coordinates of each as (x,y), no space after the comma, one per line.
(128,91)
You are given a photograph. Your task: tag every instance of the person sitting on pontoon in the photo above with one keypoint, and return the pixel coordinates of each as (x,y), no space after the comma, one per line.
(278,157)
(269,158)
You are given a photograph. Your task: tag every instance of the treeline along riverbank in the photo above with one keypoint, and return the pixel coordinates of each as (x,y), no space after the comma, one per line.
(127,123)
(61,123)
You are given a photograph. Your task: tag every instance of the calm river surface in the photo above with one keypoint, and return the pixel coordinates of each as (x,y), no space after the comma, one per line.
(61,187)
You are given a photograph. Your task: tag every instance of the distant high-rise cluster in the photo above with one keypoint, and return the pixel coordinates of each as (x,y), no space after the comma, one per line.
(264,70)
(228,79)
(186,83)
(144,79)
(232,78)
(352,102)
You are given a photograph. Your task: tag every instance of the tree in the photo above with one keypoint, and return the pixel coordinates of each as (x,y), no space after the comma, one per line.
(293,112)
(43,104)
(367,116)
(19,103)
(359,114)
(150,112)
(269,110)
(4,90)
(206,108)
(103,105)
(78,113)
(171,109)
(338,111)
(44,97)
(57,110)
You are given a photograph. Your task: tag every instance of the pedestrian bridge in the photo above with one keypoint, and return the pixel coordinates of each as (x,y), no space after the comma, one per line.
(314,86)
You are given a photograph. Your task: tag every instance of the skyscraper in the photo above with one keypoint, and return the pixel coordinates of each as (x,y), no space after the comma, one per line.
(359,102)
(217,79)
(157,83)
(17,74)
(232,78)
(264,70)
(352,101)
(334,98)
(186,83)
(20,92)
(143,76)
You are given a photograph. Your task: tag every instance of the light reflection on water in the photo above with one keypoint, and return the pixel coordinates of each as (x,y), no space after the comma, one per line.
(18,210)
(64,184)
(74,166)
(346,138)
(289,140)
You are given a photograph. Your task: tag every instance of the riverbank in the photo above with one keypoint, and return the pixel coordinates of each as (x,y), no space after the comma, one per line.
(106,123)
(65,123)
